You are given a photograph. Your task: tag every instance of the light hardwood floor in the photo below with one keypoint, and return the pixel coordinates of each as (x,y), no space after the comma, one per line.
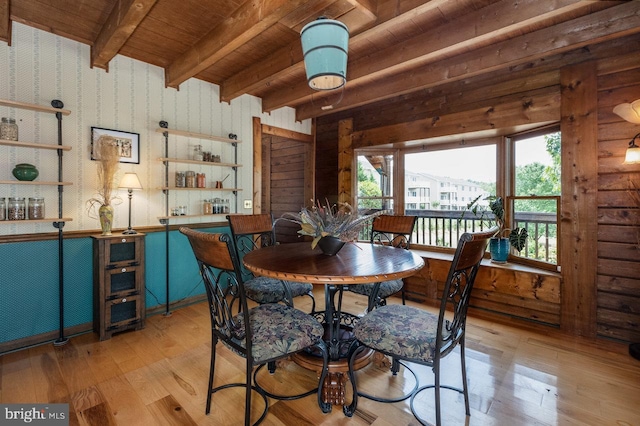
(158,376)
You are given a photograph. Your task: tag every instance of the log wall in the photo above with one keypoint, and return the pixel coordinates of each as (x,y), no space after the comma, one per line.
(521,95)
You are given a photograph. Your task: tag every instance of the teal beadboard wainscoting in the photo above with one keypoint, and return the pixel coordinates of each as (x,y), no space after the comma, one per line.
(29,285)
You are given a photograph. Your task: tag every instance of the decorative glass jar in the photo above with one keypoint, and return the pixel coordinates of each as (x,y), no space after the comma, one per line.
(197,153)
(8,129)
(180,180)
(16,209)
(36,208)
(190,179)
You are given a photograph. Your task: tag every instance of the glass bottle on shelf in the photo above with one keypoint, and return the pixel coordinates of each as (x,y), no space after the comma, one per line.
(36,208)
(8,129)
(197,153)
(3,209)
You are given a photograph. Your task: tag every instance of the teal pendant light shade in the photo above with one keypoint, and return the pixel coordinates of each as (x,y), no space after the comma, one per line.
(324,44)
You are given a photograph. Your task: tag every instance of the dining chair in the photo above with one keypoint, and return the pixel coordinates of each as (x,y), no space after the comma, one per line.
(406,333)
(392,231)
(262,334)
(250,232)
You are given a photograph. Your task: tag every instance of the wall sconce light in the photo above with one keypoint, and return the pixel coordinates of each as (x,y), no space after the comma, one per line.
(631,113)
(325,45)
(130,182)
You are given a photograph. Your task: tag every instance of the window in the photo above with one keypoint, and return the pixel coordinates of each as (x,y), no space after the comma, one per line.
(536,198)
(375,181)
(449,176)
(437,185)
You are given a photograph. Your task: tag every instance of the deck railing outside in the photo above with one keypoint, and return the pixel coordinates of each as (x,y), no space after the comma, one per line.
(443,228)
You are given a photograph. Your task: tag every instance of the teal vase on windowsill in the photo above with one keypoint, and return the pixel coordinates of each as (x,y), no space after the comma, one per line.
(499,249)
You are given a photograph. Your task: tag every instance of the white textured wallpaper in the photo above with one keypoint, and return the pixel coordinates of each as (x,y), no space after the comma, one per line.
(39,67)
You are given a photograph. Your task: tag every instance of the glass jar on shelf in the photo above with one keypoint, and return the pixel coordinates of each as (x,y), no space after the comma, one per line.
(197,153)
(207,207)
(180,180)
(201,180)
(226,206)
(16,209)
(36,208)
(3,209)
(190,179)
(8,129)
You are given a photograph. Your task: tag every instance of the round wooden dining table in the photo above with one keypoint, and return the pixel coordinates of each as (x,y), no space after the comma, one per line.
(355,263)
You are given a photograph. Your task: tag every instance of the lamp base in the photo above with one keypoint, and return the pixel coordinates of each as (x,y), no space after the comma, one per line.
(129,232)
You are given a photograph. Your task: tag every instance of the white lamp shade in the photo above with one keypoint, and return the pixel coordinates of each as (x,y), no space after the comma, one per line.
(325,43)
(630,112)
(130,181)
(633,155)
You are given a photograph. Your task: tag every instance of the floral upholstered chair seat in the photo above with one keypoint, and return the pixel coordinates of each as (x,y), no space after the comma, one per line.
(277,331)
(404,331)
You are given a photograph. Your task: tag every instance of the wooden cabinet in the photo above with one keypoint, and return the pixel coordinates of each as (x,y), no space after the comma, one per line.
(118,283)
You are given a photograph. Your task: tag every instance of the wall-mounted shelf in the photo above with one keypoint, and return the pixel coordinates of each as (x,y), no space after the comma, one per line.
(165,188)
(34,107)
(32,182)
(56,108)
(187,216)
(182,136)
(49,220)
(35,145)
(196,135)
(199,163)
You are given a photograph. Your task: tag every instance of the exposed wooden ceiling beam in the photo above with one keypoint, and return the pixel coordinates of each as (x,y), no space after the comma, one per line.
(5,21)
(252,18)
(123,20)
(469,32)
(366,7)
(289,59)
(538,109)
(597,27)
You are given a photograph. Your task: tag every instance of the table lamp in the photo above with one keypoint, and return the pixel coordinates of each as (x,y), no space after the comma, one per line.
(130,182)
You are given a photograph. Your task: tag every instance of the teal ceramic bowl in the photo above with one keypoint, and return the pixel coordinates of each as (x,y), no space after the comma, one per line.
(24,171)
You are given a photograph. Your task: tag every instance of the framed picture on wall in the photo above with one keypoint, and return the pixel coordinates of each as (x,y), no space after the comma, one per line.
(128,144)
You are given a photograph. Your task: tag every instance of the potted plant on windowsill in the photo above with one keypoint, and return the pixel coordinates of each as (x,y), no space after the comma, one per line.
(499,245)
(331,226)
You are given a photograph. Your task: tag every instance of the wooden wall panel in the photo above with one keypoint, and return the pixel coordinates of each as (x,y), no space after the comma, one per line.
(618,205)
(508,290)
(601,257)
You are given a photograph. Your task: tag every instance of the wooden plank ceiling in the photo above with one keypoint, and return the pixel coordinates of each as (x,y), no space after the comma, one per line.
(396,47)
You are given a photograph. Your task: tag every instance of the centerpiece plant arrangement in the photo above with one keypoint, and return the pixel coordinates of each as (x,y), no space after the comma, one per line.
(504,237)
(331,226)
(100,206)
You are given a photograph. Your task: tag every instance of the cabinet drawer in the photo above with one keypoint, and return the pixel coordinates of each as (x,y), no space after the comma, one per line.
(125,250)
(122,311)
(121,281)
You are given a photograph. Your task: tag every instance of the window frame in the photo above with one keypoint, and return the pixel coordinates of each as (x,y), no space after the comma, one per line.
(505,180)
